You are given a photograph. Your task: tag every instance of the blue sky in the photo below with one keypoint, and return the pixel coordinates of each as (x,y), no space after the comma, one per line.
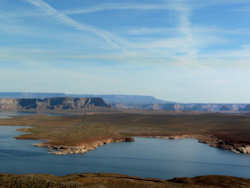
(178,50)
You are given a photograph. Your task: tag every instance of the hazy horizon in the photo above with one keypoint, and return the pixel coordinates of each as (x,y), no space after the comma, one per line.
(188,51)
(113,94)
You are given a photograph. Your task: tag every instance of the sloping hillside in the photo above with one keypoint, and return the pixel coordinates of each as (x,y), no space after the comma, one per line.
(117,181)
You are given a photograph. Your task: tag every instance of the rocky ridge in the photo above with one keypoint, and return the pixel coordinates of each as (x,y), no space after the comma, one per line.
(57,104)
(81,148)
(84,148)
(138,102)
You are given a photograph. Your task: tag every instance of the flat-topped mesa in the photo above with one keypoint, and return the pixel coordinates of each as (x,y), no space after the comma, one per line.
(56,104)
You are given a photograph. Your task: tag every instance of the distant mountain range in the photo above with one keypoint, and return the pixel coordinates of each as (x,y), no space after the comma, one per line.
(55,104)
(119,101)
(136,102)
(202,107)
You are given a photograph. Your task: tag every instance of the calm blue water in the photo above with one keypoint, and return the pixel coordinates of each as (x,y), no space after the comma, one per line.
(145,157)
(4,115)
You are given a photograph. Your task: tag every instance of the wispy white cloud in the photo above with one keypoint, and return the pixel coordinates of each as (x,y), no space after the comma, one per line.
(197,4)
(123,6)
(242,52)
(49,10)
(168,5)
(183,48)
(150,30)
(188,47)
(152,50)
(195,29)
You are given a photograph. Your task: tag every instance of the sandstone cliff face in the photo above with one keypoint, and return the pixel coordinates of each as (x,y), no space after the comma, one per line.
(138,102)
(8,104)
(57,104)
(175,107)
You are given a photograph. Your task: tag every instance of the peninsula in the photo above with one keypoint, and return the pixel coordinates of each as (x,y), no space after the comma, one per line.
(81,133)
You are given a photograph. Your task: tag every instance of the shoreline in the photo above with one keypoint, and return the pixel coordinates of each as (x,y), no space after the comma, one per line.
(63,135)
(81,148)
(84,148)
(211,141)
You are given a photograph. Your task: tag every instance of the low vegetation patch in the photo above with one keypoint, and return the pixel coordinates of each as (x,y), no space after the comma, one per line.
(84,129)
(117,181)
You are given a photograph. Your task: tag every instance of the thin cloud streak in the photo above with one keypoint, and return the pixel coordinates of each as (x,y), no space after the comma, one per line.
(195,29)
(185,28)
(195,4)
(107,36)
(243,52)
(182,49)
(117,6)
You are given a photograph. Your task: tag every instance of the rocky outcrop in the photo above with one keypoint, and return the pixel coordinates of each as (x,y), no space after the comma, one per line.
(244,149)
(236,148)
(83,148)
(137,102)
(57,104)
(213,142)
(181,107)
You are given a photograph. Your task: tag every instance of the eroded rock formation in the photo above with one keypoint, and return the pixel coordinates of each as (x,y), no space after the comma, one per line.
(82,148)
(57,104)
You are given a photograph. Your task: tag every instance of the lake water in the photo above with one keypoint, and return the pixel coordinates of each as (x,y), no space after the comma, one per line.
(145,157)
(6,115)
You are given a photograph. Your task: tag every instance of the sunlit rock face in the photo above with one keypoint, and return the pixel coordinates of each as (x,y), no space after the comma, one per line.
(57,104)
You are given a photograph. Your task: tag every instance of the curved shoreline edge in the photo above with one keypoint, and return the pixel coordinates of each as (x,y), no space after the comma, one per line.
(213,142)
(84,148)
(79,134)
